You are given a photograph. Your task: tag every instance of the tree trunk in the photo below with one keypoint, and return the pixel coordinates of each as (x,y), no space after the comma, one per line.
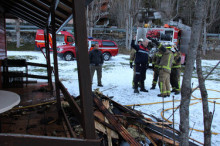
(18,33)
(186,84)
(127,36)
(207,116)
(204,48)
(130,32)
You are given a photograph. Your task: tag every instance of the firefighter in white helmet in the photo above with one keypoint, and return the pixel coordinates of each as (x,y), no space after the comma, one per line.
(132,58)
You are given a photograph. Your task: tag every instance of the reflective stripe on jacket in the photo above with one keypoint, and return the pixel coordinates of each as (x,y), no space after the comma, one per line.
(177,60)
(166,61)
(141,53)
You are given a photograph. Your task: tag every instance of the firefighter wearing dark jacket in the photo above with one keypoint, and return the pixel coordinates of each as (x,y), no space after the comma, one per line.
(96,61)
(141,64)
(175,71)
(165,69)
(132,58)
(155,62)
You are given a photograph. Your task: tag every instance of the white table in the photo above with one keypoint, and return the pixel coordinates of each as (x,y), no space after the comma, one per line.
(7,101)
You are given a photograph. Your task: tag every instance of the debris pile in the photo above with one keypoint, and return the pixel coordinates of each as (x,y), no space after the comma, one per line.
(117,124)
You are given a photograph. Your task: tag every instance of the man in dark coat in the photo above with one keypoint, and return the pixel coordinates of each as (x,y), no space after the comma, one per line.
(141,64)
(96,61)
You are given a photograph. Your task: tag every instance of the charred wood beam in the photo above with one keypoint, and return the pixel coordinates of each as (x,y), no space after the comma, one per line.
(49,68)
(36,76)
(66,3)
(105,124)
(37,7)
(25,15)
(33,140)
(28,20)
(28,8)
(48,4)
(73,105)
(72,133)
(123,108)
(22,10)
(86,103)
(120,129)
(56,71)
(37,64)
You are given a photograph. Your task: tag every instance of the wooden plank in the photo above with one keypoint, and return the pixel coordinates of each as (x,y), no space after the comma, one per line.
(153,135)
(120,129)
(36,64)
(148,136)
(73,105)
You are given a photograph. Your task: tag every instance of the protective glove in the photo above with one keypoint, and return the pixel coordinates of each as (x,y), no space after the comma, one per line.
(131,65)
(154,41)
(179,59)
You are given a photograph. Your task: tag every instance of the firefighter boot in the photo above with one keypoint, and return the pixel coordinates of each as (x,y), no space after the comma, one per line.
(160,95)
(174,90)
(177,92)
(153,87)
(136,87)
(143,88)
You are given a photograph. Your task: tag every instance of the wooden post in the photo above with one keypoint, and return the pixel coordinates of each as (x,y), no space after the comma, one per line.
(86,100)
(49,71)
(56,72)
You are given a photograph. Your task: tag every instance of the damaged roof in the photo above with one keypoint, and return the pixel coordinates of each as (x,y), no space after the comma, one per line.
(38,12)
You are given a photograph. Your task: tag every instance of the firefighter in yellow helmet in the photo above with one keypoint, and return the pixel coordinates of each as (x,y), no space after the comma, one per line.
(176,71)
(165,68)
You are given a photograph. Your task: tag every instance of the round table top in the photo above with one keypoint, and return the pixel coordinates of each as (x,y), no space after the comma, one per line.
(8,100)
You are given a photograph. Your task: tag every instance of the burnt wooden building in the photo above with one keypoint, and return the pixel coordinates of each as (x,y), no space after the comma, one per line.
(51,16)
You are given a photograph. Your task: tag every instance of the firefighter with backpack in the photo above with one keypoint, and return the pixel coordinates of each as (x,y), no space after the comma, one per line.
(165,66)
(176,71)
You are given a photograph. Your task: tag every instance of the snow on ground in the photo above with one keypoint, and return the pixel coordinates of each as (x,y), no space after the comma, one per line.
(117,81)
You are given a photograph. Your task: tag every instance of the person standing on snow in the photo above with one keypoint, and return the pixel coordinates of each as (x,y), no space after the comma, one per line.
(96,61)
(132,58)
(141,64)
(165,68)
(175,71)
(155,62)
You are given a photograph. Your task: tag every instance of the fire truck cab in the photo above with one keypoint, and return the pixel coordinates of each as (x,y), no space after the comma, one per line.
(62,38)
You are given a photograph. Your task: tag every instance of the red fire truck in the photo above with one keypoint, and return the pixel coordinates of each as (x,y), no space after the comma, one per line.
(62,38)
(166,34)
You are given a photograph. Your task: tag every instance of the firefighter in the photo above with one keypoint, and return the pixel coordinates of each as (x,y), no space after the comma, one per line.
(141,64)
(132,58)
(176,71)
(165,68)
(155,62)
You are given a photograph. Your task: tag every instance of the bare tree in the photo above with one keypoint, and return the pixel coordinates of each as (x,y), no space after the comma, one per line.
(125,12)
(94,14)
(207,116)
(186,90)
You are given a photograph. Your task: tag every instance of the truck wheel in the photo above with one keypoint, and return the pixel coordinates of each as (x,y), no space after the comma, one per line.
(68,56)
(106,56)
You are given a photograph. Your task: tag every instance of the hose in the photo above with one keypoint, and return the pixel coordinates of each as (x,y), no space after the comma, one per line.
(195,99)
